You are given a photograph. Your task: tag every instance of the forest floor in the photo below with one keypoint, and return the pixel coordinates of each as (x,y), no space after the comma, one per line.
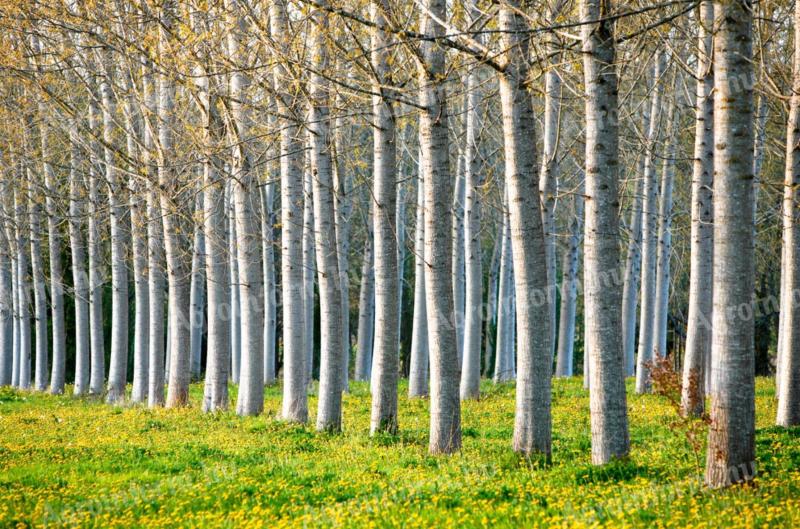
(66,461)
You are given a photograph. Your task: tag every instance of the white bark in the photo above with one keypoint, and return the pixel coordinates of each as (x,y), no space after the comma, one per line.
(155,247)
(504,365)
(23,289)
(57,376)
(197,292)
(602,292)
(331,374)
(661,313)
(215,390)
(118,362)
(731,436)
(235,301)
(633,262)
(458,259)
(473,301)
(96,275)
(569,290)
(696,359)
(247,200)
(270,302)
(650,234)
(789,377)
(418,365)
(532,416)
(385,356)
(366,307)
(309,268)
(445,406)
(6,294)
(175,212)
(42,371)
(295,400)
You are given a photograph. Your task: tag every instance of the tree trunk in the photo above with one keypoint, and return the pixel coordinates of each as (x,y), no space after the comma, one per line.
(247,200)
(96,276)
(331,374)
(77,190)
(57,376)
(175,213)
(366,307)
(385,353)
(445,429)
(789,380)
(6,293)
(698,329)
(473,302)
(602,292)
(633,263)
(270,303)
(731,436)
(218,341)
(118,362)
(650,234)
(661,312)
(235,299)
(569,290)
(155,246)
(309,266)
(295,400)
(532,417)
(418,364)
(23,289)
(504,366)
(197,291)
(42,371)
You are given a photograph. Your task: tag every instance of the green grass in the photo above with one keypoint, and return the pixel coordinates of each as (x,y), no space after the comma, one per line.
(78,462)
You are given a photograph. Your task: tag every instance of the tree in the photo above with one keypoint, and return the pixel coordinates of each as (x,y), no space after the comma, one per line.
(445,434)
(295,400)
(731,436)
(789,379)
(608,406)
(385,351)
(331,377)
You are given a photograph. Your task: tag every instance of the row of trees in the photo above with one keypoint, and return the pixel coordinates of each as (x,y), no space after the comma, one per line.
(239,163)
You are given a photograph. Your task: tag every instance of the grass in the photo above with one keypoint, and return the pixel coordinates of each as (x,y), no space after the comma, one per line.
(77,462)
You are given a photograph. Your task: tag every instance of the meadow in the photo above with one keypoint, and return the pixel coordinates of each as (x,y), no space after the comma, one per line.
(68,461)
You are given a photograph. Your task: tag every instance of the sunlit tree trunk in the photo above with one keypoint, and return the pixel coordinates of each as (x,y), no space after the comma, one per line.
(42,372)
(23,287)
(731,436)
(789,379)
(445,406)
(504,365)
(661,313)
(215,390)
(473,302)
(295,400)
(175,214)
(366,307)
(701,273)
(385,353)
(569,290)
(532,417)
(197,292)
(96,275)
(309,267)
(650,234)
(247,208)
(118,363)
(418,364)
(602,293)
(633,262)
(6,294)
